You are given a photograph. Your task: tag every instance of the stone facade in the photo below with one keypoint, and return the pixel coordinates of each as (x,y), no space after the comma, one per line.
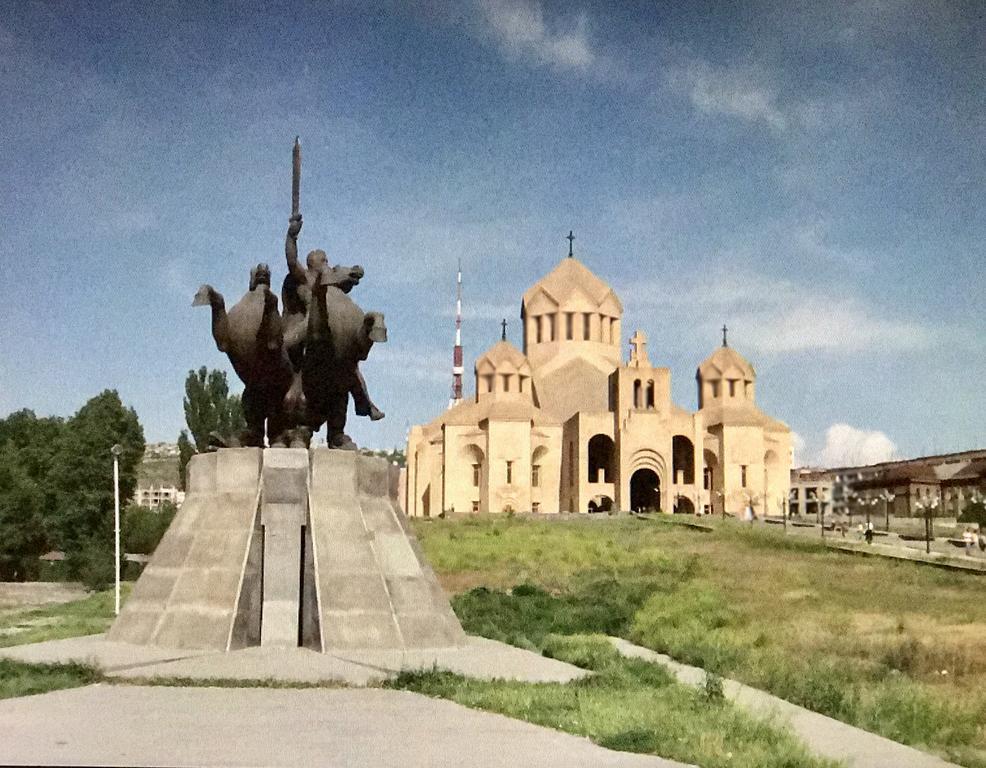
(566,425)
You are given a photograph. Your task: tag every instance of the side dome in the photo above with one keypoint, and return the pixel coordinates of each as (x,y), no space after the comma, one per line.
(503,370)
(725,376)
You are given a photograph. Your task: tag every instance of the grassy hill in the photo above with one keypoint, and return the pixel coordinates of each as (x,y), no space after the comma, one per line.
(158,471)
(896,648)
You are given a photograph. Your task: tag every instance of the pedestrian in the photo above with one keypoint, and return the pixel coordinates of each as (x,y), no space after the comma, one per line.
(969,539)
(982,541)
(868,533)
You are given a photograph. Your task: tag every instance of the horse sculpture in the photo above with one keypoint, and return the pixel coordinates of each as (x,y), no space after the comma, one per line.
(298,369)
(251,335)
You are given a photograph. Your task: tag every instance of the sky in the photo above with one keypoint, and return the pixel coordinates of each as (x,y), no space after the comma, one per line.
(811,174)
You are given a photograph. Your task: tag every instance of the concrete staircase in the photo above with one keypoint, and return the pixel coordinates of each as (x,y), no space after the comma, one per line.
(285,548)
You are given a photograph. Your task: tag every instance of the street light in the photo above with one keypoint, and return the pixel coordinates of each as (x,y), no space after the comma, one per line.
(928,507)
(887,497)
(116,450)
(819,511)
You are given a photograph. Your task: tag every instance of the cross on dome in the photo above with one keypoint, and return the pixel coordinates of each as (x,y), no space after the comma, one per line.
(503,333)
(724,329)
(570,239)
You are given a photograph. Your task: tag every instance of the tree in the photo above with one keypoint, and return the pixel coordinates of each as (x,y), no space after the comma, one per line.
(81,475)
(974,512)
(22,532)
(393,456)
(34,440)
(143,528)
(210,408)
(186,449)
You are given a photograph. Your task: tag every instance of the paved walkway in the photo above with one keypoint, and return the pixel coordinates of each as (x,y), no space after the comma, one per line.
(823,735)
(343,728)
(479,658)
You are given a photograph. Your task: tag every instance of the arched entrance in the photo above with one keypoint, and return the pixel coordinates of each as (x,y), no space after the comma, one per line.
(601,504)
(684,506)
(645,491)
(602,455)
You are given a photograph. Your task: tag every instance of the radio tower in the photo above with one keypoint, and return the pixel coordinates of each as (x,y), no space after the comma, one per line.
(457,351)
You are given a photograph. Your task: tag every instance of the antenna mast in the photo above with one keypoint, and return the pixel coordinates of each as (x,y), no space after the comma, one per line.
(457,351)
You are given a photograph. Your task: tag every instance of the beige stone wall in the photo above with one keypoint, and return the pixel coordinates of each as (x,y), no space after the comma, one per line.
(545,404)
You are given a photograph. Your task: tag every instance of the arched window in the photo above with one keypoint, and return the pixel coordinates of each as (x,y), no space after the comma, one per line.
(636,393)
(683,459)
(540,328)
(650,394)
(586,327)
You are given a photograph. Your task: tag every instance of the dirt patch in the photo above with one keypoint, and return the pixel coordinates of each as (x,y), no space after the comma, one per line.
(21,594)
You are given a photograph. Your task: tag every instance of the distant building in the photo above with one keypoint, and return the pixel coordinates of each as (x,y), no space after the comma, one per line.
(566,424)
(157,477)
(157,495)
(160,450)
(811,491)
(952,478)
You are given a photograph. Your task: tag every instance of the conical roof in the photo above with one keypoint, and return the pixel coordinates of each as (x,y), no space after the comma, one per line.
(501,353)
(568,277)
(725,361)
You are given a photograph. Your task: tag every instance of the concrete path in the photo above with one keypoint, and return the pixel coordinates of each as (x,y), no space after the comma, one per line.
(823,735)
(133,725)
(479,658)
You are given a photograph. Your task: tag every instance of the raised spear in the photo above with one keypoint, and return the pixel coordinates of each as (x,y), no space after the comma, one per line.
(296,177)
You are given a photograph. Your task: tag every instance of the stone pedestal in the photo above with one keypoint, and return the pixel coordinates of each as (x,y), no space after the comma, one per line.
(288,547)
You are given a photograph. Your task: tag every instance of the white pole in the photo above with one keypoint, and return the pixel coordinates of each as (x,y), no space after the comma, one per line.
(116,524)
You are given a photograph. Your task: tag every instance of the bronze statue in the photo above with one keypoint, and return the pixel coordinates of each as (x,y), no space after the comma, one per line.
(298,369)
(251,335)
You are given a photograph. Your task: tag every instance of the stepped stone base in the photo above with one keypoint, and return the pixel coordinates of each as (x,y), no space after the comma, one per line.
(284,547)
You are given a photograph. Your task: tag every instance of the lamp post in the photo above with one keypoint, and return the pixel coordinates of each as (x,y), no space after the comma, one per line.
(928,508)
(869,509)
(819,511)
(887,497)
(116,450)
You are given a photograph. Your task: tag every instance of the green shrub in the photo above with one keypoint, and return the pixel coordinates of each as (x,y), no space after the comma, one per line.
(586,651)
(903,711)
(640,740)
(92,563)
(143,527)
(974,512)
(712,687)
(685,623)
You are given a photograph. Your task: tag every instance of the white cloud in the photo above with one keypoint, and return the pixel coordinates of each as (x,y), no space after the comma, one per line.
(778,316)
(519,28)
(848,446)
(740,92)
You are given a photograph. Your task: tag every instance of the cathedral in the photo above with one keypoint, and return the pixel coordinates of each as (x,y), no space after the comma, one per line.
(567,425)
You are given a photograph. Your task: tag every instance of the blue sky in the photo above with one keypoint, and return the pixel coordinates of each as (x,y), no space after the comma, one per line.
(811,173)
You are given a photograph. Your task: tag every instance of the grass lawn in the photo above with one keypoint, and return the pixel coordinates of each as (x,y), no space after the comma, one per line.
(89,616)
(629,705)
(893,647)
(19,679)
